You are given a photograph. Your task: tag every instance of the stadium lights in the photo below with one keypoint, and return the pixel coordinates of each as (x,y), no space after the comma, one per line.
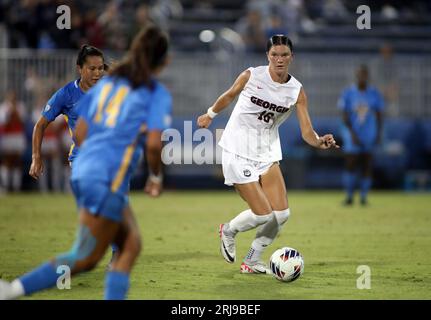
(207,36)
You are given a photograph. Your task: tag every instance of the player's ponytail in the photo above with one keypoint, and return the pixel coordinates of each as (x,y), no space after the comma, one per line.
(148,51)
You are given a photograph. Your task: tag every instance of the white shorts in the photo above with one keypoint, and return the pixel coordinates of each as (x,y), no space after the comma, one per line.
(240,170)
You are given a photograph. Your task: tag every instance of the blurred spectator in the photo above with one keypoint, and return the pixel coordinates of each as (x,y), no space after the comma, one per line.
(295,17)
(387,79)
(22,22)
(113,27)
(252,32)
(93,29)
(142,17)
(334,10)
(275,26)
(12,141)
(164,10)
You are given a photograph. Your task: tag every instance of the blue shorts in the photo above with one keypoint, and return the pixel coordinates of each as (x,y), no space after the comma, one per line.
(98,199)
(349,147)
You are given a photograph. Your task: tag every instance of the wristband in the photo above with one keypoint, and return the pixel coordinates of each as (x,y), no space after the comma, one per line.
(211,113)
(156,178)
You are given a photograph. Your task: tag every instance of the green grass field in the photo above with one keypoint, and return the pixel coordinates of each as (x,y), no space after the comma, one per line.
(181,258)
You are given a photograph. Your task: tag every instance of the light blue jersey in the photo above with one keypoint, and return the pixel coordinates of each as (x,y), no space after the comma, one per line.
(116,116)
(361,107)
(65,101)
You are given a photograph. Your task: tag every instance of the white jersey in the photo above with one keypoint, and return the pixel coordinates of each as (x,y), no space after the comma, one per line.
(263,105)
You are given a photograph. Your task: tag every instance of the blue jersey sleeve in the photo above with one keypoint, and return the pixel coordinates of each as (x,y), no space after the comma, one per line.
(55,105)
(343,101)
(379,101)
(159,115)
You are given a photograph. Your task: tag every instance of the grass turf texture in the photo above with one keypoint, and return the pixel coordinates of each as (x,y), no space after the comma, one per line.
(181,258)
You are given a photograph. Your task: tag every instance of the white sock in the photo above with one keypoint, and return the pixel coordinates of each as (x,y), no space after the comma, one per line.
(266,234)
(17,290)
(246,220)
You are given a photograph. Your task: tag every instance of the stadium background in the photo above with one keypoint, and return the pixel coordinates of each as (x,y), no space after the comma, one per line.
(180,258)
(213,41)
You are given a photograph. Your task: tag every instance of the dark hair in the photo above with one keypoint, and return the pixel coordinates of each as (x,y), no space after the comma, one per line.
(148,51)
(279,39)
(87,50)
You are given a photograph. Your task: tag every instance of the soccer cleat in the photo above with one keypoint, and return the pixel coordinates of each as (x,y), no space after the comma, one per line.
(5,290)
(257,268)
(364,202)
(348,202)
(227,246)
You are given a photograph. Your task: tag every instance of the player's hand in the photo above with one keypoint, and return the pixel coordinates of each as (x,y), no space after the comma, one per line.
(328,141)
(204,121)
(153,188)
(36,168)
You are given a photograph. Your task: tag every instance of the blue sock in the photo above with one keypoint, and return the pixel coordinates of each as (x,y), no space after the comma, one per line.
(365,187)
(349,180)
(116,285)
(43,277)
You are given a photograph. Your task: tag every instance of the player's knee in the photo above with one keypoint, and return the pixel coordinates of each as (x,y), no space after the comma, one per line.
(83,256)
(137,244)
(282,216)
(134,244)
(90,263)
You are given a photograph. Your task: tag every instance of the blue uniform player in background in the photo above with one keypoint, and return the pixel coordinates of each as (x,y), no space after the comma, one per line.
(91,66)
(362,107)
(120,108)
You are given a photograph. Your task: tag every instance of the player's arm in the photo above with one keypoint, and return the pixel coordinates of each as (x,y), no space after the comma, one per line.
(153,149)
(308,134)
(36,167)
(81,130)
(224,100)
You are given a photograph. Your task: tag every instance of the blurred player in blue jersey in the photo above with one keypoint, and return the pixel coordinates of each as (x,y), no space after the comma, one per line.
(362,107)
(91,66)
(120,108)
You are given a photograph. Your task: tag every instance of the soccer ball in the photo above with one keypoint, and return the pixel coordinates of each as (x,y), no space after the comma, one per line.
(286,264)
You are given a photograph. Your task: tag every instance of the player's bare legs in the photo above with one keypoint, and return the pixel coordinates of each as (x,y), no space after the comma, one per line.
(259,213)
(366,176)
(95,233)
(274,188)
(253,194)
(350,177)
(128,241)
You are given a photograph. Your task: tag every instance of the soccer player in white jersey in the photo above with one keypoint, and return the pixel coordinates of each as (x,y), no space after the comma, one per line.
(251,148)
